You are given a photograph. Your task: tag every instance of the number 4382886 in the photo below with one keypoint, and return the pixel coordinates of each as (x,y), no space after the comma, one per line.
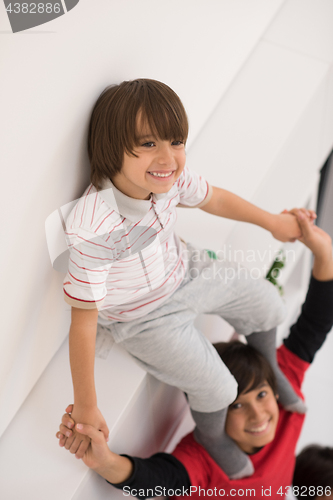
(305,491)
(34,8)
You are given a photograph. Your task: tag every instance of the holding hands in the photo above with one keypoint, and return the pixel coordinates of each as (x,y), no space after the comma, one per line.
(75,439)
(97,455)
(285,226)
(320,244)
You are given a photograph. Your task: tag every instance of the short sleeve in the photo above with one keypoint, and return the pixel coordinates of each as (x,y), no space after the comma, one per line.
(89,262)
(194,191)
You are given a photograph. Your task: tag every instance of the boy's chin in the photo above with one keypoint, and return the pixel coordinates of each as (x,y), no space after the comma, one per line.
(260,443)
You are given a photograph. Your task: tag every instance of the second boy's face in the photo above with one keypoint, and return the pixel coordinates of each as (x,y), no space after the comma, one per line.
(252,418)
(158,165)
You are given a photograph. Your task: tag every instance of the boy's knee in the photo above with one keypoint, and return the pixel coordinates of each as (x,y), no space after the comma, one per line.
(217,393)
(273,308)
(277,308)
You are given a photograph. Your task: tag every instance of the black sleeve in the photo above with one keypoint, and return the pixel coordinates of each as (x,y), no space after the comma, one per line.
(308,334)
(156,475)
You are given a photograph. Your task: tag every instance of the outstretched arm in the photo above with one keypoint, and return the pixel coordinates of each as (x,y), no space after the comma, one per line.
(284,227)
(316,319)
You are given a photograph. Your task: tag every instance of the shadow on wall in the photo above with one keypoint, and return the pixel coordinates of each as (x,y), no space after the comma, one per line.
(325,197)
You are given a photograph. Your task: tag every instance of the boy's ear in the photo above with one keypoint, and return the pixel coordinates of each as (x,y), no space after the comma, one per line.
(277,397)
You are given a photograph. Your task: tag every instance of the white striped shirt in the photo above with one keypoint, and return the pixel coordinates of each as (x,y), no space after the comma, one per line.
(125,258)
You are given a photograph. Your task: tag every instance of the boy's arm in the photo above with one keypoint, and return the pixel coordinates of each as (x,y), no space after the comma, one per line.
(160,470)
(316,319)
(82,339)
(284,227)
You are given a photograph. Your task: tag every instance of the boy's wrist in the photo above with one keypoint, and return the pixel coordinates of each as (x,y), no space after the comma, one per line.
(323,269)
(105,469)
(268,221)
(116,469)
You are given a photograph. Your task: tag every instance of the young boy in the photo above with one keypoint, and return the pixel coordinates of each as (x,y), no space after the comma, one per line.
(129,271)
(257,424)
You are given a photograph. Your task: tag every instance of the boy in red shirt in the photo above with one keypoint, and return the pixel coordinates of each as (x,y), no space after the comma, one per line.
(260,427)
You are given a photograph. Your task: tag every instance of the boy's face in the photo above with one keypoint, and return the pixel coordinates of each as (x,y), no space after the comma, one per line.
(252,418)
(158,165)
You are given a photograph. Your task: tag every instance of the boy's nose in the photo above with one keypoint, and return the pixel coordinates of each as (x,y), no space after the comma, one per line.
(165,155)
(255,413)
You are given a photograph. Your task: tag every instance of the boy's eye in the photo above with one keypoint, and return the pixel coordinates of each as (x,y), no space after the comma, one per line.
(177,143)
(148,144)
(235,406)
(262,394)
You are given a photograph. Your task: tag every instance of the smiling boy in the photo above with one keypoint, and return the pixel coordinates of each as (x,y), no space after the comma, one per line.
(258,425)
(129,271)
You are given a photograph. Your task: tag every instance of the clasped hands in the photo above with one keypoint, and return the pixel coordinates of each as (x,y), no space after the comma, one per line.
(285,226)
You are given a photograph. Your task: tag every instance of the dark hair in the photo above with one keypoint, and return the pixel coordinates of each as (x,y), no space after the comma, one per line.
(113,123)
(247,365)
(314,467)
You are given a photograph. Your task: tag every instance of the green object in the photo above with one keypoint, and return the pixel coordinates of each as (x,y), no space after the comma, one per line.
(211,254)
(274,271)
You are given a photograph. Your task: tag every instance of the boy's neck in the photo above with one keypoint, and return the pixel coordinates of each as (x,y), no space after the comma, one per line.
(132,192)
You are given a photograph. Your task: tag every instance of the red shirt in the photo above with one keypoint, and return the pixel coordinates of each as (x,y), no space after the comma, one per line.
(274,463)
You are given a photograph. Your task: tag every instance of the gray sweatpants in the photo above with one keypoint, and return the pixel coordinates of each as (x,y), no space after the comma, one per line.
(166,343)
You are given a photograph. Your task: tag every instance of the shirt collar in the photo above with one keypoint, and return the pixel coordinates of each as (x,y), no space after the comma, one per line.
(131,208)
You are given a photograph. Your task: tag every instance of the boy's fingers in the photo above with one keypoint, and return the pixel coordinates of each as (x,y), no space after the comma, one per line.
(65,431)
(67,421)
(81,451)
(62,440)
(76,444)
(80,446)
(69,442)
(89,431)
(305,225)
(105,431)
(69,408)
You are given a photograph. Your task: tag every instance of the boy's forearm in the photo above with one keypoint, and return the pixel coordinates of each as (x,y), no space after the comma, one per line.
(226,204)
(323,269)
(82,339)
(116,470)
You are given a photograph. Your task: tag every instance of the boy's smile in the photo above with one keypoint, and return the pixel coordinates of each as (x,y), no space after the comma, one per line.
(252,418)
(156,168)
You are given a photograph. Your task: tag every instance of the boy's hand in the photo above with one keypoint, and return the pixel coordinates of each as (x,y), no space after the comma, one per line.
(286,226)
(114,468)
(97,455)
(78,443)
(320,244)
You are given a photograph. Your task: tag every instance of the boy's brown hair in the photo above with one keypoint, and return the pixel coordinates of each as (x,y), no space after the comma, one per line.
(314,468)
(247,365)
(113,123)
